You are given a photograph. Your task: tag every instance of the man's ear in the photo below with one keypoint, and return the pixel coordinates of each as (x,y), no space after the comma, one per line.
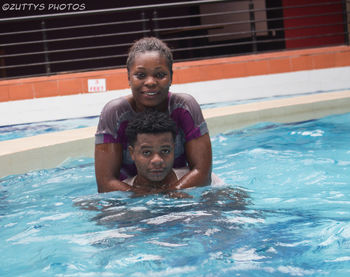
(131,151)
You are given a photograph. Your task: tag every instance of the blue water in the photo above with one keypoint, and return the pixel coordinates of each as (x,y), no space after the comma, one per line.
(32,129)
(285,211)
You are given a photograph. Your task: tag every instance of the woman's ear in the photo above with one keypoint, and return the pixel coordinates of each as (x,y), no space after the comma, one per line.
(128,72)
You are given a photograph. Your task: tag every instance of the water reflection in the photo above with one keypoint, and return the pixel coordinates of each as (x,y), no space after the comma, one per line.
(208,206)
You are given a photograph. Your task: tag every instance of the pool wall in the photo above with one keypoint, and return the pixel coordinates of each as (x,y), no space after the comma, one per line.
(50,150)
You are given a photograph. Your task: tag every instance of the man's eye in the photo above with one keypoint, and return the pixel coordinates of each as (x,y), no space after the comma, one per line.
(146,153)
(166,151)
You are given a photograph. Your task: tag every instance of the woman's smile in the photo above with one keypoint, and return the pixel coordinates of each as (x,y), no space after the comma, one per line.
(151,93)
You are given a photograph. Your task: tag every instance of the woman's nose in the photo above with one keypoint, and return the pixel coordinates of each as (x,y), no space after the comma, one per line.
(150,81)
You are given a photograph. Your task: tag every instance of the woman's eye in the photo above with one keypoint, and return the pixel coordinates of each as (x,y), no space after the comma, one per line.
(160,75)
(140,75)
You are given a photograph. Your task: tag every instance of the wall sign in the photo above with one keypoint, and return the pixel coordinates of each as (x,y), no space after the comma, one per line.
(96,85)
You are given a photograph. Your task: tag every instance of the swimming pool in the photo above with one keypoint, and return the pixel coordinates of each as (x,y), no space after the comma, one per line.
(284,212)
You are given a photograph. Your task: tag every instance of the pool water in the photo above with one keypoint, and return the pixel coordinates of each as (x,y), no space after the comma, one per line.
(284,211)
(32,129)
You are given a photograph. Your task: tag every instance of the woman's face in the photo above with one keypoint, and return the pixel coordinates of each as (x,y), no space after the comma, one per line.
(150,79)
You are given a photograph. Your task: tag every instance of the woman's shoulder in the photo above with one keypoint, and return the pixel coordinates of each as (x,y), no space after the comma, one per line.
(183,100)
(117,105)
(182,97)
(116,102)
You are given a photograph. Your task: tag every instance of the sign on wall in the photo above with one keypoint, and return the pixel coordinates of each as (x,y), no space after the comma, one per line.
(96,85)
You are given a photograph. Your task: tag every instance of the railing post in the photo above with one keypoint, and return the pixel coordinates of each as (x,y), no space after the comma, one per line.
(252,25)
(345,20)
(155,25)
(47,62)
(144,28)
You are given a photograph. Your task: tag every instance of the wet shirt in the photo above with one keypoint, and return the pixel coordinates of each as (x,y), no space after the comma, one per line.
(180,172)
(182,108)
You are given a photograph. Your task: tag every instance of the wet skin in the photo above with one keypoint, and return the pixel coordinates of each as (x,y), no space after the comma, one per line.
(153,155)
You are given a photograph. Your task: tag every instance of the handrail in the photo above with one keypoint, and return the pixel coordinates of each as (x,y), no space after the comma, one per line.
(74,38)
(247,10)
(163,29)
(73,27)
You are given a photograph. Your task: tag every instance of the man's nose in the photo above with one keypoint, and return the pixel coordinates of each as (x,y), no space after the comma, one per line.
(157,159)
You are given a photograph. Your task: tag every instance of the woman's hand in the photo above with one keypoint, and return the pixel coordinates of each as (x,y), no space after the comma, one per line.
(108,160)
(199,157)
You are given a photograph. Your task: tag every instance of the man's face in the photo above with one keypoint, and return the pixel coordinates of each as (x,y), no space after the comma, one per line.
(153,155)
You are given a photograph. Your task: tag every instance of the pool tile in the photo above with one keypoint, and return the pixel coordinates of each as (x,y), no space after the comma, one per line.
(323,61)
(303,62)
(21,91)
(258,67)
(4,94)
(45,88)
(70,86)
(280,65)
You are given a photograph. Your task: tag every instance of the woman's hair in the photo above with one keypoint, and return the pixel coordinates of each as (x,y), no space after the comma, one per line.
(150,122)
(148,44)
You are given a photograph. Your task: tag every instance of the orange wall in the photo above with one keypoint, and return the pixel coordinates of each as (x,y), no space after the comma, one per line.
(184,72)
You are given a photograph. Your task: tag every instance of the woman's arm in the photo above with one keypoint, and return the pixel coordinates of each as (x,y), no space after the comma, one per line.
(199,157)
(108,160)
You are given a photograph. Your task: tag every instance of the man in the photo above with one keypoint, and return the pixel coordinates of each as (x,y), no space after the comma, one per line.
(151,137)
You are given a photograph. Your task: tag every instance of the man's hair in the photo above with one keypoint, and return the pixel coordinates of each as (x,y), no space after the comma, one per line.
(148,44)
(150,122)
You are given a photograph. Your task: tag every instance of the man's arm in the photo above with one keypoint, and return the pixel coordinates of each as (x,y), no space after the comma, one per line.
(108,160)
(199,157)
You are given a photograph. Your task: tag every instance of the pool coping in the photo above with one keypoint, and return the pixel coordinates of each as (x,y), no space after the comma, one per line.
(49,150)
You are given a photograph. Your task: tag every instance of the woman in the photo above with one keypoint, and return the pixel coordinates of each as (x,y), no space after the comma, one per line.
(149,66)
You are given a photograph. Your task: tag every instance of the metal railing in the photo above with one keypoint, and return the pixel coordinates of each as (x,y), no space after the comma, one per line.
(99,39)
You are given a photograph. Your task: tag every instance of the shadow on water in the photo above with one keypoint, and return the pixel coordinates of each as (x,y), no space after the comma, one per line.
(125,211)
